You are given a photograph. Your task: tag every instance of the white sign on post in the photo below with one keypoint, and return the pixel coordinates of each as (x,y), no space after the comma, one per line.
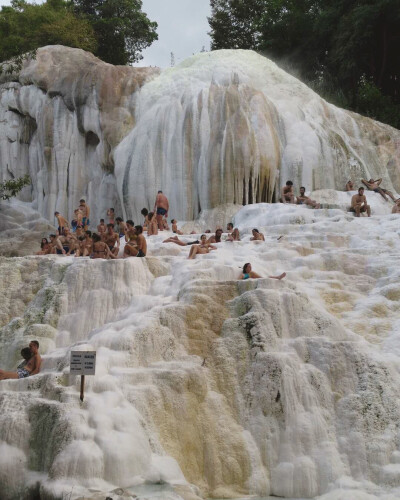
(83,363)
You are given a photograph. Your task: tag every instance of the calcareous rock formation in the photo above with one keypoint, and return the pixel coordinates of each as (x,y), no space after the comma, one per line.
(226,127)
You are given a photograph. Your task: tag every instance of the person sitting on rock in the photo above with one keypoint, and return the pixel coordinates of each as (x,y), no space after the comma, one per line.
(69,242)
(287,195)
(45,248)
(359,203)
(141,242)
(203,248)
(305,200)
(396,207)
(234,236)
(373,185)
(152,226)
(102,227)
(145,214)
(130,248)
(257,236)
(56,245)
(229,227)
(100,248)
(175,227)
(349,185)
(249,274)
(112,240)
(121,226)
(30,366)
(215,238)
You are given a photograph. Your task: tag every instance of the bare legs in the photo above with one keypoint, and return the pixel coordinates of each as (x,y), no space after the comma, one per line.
(280,277)
(6,375)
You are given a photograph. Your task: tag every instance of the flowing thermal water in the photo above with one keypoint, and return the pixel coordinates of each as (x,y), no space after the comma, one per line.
(206,385)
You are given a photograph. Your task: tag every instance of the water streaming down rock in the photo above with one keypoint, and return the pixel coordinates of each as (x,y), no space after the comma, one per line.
(222,127)
(286,388)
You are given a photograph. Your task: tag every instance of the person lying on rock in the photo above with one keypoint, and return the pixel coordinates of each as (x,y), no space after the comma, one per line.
(177,241)
(130,230)
(130,248)
(201,249)
(215,238)
(257,236)
(373,185)
(287,195)
(359,203)
(141,242)
(249,274)
(30,366)
(305,200)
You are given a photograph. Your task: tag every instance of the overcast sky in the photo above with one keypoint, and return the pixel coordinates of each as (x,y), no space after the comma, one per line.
(182,29)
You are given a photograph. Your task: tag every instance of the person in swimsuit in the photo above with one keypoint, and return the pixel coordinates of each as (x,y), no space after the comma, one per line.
(349,186)
(257,236)
(234,236)
(305,200)
(359,203)
(215,238)
(130,232)
(175,227)
(201,249)
(111,216)
(161,207)
(373,185)
(130,248)
(45,247)
(229,227)
(145,214)
(121,226)
(152,227)
(100,249)
(177,241)
(31,365)
(112,240)
(87,247)
(141,242)
(62,223)
(247,273)
(287,195)
(56,245)
(101,228)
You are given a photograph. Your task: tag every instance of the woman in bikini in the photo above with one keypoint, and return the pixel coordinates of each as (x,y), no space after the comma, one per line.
(45,247)
(145,214)
(201,249)
(100,249)
(234,236)
(249,274)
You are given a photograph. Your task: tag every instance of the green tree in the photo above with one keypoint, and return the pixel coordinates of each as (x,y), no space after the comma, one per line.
(12,187)
(24,27)
(122,30)
(333,45)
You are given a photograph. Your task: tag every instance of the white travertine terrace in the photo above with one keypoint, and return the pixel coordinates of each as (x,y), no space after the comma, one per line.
(226,127)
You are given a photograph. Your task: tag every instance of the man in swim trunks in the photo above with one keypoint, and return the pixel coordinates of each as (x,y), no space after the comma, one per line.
(69,242)
(161,208)
(62,223)
(359,203)
(121,226)
(175,227)
(305,200)
(32,367)
(111,238)
(375,186)
(257,236)
(141,242)
(203,248)
(287,195)
(85,214)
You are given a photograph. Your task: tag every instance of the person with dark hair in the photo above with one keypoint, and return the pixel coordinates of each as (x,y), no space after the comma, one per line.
(177,241)
(257,236)
(85,214)
(130,231)
(175,227)
(56,245)
(100,249)
(141,242)
(62,223)
(30,366)
(111,216)
(229,227)
(215,238)
(101,228)
(152,227)
(161,207)
(45,247)
(112,240)
(287,195)
(247,273)
(375,185)
(121,226)
(349,185)
(201,249)
(145,214)
(234,236)
(305,200)
(359,203)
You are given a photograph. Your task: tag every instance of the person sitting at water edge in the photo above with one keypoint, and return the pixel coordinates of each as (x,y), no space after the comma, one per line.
(349,186)
(177,241)
(287,195)
(111,216)
(102,227)
(31,367)
(100,249)
(248,273)
(112,240)
(152,226)
(257,236)
(229,227)
(234,236)
(215,238)
(305,200)
(359,203)
(145,214)
(175,227)
(203,248)
(396,207)
(45,247)
(141,242)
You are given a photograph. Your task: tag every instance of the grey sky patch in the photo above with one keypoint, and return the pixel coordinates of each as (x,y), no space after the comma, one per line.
(182,29)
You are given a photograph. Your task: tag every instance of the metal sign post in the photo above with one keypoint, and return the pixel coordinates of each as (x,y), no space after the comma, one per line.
(83,363)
